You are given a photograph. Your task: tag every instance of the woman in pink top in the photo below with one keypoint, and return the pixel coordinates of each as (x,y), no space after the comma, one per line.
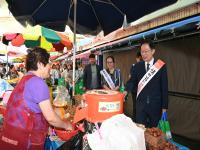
(29,111)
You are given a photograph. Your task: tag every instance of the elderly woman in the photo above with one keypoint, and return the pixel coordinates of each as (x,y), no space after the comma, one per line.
(29,111)
(111,77)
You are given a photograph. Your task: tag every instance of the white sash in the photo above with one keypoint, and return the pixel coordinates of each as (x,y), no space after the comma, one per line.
(108,78)
(149,75)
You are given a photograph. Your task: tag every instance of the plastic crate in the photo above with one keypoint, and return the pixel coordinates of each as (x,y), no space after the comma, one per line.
(179,146)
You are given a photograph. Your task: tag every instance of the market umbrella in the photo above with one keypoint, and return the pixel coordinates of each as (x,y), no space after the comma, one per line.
(84,16)
(39,36)
(17,59)
(92,15)
(3,50)
(54,55)
(2,53)
(10,52)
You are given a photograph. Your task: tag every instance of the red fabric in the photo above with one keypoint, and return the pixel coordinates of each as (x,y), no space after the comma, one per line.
(18,41)
(58,46)
(22,128)
(65,41)
(10,36)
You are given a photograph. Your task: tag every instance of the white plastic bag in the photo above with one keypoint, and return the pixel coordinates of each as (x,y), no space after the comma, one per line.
(4,86)
(62,96)
(118,133)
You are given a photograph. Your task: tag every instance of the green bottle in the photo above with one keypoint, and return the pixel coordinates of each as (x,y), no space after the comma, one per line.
(61,81)
(122,88)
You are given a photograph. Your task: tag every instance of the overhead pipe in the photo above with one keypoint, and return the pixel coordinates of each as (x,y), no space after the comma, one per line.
(153,32)
(143,35)
(131,46)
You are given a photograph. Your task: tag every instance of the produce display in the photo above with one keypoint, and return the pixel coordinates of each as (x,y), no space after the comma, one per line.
(78,99)
(154,132)
(154,137)
(69,113)
(13,81)
(155,140)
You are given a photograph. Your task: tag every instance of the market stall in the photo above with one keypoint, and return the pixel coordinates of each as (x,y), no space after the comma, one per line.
(99,122)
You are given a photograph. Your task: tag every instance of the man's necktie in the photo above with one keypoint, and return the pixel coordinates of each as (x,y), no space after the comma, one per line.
(148,67)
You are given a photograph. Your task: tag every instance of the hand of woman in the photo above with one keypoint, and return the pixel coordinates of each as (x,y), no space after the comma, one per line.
(105,87)
(116,88)
(68,126)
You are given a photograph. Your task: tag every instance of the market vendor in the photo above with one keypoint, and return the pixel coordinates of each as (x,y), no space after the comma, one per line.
(111,77)
(29,111)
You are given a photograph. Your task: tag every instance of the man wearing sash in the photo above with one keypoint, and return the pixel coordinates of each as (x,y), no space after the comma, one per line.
(149,81)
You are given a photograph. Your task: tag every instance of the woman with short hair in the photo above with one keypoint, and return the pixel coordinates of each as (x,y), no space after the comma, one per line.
(29,111)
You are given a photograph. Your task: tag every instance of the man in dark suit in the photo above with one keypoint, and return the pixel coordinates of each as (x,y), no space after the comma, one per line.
(91,75)
(153,98)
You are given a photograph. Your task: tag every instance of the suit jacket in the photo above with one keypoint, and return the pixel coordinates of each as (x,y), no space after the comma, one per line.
(155,92)
(87,77)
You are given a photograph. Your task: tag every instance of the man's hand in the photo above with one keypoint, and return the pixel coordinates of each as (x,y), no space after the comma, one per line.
(125,93)
(105,87)
(68,126)
(164,110)
(116,88)
(84,88)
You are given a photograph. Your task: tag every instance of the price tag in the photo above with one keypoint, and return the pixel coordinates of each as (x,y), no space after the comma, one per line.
(109,106)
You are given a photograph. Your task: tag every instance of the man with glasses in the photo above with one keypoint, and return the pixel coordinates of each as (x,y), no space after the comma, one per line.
(149,82)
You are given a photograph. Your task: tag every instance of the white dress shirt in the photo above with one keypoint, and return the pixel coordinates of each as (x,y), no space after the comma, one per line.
(150,63)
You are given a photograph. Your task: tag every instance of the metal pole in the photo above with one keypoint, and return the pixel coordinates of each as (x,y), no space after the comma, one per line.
(7,68)
(74,48)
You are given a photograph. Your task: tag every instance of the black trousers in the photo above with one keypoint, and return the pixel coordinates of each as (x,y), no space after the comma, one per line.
(148,113)
(134,106)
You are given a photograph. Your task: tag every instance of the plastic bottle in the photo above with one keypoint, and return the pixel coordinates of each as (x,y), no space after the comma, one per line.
(122,88)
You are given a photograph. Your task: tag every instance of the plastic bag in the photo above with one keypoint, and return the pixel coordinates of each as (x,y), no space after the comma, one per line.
(164,125)
(73,144)
(62,97)
(4,86)
(52,145)
(117,133)
(79,87)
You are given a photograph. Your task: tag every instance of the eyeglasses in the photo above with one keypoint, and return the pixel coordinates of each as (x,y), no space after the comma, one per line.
(145,52)
(109,62)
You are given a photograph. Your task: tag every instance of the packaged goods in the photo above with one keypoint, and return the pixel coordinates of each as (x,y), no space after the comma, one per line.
(61,101)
